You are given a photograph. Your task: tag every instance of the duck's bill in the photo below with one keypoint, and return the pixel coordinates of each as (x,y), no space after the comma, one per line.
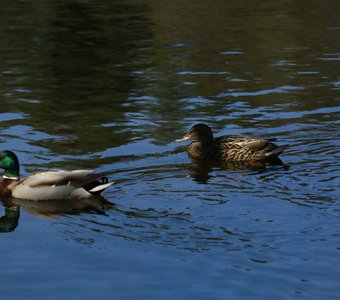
(185,138)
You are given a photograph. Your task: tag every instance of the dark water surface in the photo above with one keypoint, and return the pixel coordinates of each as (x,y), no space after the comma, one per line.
(110,85)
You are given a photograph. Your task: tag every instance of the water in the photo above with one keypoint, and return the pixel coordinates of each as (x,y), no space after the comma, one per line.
(110,86)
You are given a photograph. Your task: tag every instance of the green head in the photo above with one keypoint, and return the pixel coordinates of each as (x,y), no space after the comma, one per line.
(10,163)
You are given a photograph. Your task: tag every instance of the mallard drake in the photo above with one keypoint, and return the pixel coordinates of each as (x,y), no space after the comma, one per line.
(228,148)
(48,185)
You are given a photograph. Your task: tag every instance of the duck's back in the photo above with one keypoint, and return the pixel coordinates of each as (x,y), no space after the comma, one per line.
(52,184)
(238,148)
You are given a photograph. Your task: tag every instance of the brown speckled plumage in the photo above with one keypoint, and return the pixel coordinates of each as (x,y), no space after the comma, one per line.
(228,148)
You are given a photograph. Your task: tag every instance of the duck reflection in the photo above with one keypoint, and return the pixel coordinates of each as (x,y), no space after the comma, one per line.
(50,209)
(10,220)
(201,169)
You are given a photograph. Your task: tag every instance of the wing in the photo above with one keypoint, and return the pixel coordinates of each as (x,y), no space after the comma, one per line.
(58,177)
(254,144)
(59,184)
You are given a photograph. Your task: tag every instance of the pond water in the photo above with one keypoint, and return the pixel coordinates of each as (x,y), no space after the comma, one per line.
(109,85)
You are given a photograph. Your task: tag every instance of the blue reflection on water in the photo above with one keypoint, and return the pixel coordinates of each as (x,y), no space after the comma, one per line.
(110,86)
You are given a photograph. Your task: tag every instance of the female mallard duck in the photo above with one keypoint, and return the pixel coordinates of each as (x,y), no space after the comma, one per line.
(228,148)
(48,185)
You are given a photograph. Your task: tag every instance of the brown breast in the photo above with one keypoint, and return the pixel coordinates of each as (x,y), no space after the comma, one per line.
(6,184)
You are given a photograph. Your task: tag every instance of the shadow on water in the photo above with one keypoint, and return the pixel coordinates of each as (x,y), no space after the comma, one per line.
(202,169)
(50,209)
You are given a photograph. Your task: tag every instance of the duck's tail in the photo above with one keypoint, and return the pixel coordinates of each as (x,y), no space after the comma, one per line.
(275,152)
(98,186)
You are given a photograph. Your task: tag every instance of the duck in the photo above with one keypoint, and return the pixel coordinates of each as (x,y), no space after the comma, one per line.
(50,184)
(228,148)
